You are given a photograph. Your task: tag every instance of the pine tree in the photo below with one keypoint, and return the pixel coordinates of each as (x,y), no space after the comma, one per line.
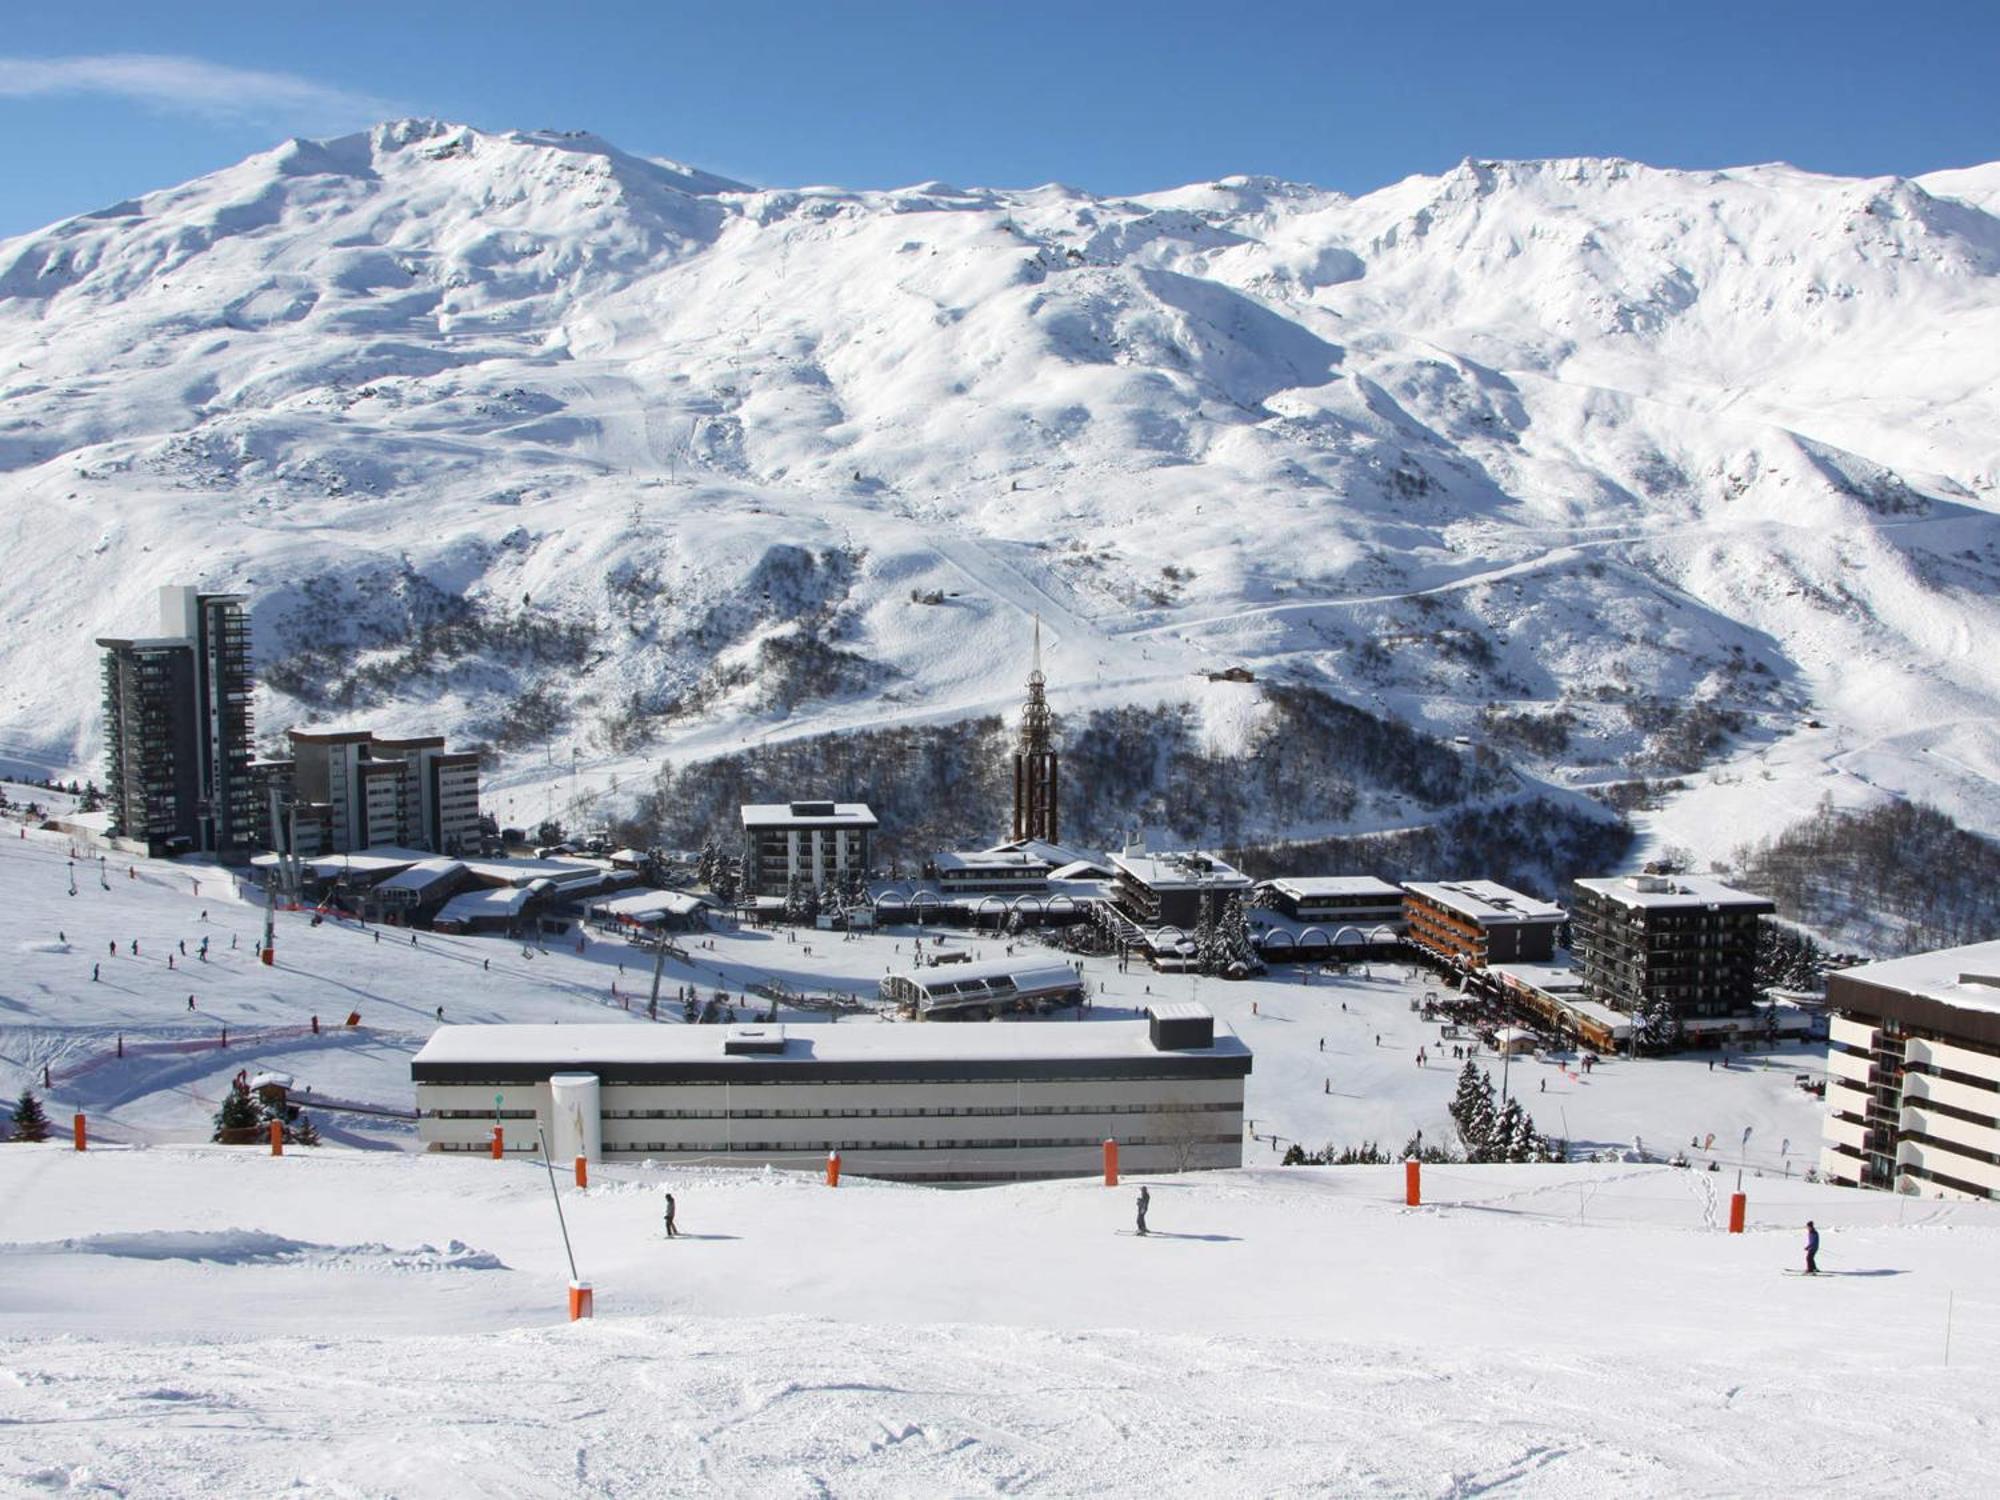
(239,1112)
(1232,934)
(1472,1112)
(30,1123)
(1506,1141)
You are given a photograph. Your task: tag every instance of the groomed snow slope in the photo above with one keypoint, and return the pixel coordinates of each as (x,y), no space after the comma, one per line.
(202,1321)
(1536,434)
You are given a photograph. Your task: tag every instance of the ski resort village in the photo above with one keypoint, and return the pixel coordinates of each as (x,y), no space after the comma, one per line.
(667,837)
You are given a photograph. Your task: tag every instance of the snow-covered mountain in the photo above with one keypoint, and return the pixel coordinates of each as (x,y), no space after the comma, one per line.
(602,459)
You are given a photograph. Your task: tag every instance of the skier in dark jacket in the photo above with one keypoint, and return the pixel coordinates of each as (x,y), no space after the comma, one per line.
(1812,1249)
(672,1233)
(1145,1202)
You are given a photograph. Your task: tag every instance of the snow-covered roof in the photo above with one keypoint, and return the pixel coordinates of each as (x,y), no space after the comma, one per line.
(1181,872)
(642,906)
(1486,901)
(499,901)
(1082,869)
(1967,978)
(422,875)
(563,1047)
(1668,891)
(1178,1010)
(1561,978)
(807,814)
(1320,887)
(1002,974)
(1055,854)
(995,861)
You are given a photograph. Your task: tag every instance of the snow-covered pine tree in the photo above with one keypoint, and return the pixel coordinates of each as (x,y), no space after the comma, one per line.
(1232,932)
(1472,1112)
(29,1121)
(1506,1140)
(239,1112)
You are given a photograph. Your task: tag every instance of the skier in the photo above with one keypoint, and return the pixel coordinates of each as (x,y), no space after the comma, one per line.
(114,947)
(184,947)
(93,973)
(672,1233)
(1812,1249)
(1545,1085)
(440,1012)
(1145,1202)
(190,1002)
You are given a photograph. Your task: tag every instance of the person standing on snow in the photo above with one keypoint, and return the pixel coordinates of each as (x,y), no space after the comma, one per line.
(672,1233)
(1812,1249)
(1145,1202)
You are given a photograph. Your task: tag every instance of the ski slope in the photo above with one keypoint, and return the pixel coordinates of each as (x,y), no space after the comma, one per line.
(200,1321)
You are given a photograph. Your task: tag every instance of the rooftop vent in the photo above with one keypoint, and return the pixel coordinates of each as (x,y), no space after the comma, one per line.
(1181,1026)
(1991,981)
(1651,885)
(753,1041)
(812,809)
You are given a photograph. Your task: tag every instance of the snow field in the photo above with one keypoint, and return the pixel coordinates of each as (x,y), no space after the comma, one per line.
(1285,1332)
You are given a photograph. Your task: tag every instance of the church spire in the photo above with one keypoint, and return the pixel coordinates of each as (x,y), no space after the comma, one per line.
(1035,768)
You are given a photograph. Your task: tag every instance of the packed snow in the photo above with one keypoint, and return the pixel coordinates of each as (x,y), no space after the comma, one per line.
(185,1319)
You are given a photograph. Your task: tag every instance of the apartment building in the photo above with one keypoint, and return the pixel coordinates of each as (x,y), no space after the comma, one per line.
(349,789)
(1913,1074)
(820,844)
(1473,923)
(1686,941)
(177,728)
(1173,890)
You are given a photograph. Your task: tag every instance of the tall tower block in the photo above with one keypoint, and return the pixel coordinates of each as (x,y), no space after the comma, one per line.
(1035,767)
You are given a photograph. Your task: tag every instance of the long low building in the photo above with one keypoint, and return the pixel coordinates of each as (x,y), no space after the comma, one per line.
(977,991)
(915,1103)
(1362,901)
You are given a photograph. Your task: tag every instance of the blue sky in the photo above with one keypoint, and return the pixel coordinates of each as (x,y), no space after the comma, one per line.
(102,101)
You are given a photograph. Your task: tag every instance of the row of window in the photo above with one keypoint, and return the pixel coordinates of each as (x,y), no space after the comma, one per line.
(803,1078)
(968,1143)
(909,1113)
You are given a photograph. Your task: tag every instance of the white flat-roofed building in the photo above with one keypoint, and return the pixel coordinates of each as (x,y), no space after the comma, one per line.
(819,844)
(978,991)
(1473,923)
(1350,900)
(989,871)
(917,1103)
(1913,1074)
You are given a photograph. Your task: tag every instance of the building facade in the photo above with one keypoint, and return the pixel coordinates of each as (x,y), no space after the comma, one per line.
(821,844)
(1913,1074)
(1473,923)
(1337,900)
(915,1103)
(1174,890)
(177,728)
(1687,943)
(348,789)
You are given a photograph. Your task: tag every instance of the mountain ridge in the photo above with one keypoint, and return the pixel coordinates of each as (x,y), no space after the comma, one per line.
(528,418)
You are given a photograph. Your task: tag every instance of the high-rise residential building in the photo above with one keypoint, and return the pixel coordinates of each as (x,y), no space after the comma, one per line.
(177,728)
(348,789)
(1037,814)
(1685,943)
(817,844)
(1913,1074)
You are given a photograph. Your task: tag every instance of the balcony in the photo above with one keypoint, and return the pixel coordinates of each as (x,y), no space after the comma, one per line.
(1847,1065)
